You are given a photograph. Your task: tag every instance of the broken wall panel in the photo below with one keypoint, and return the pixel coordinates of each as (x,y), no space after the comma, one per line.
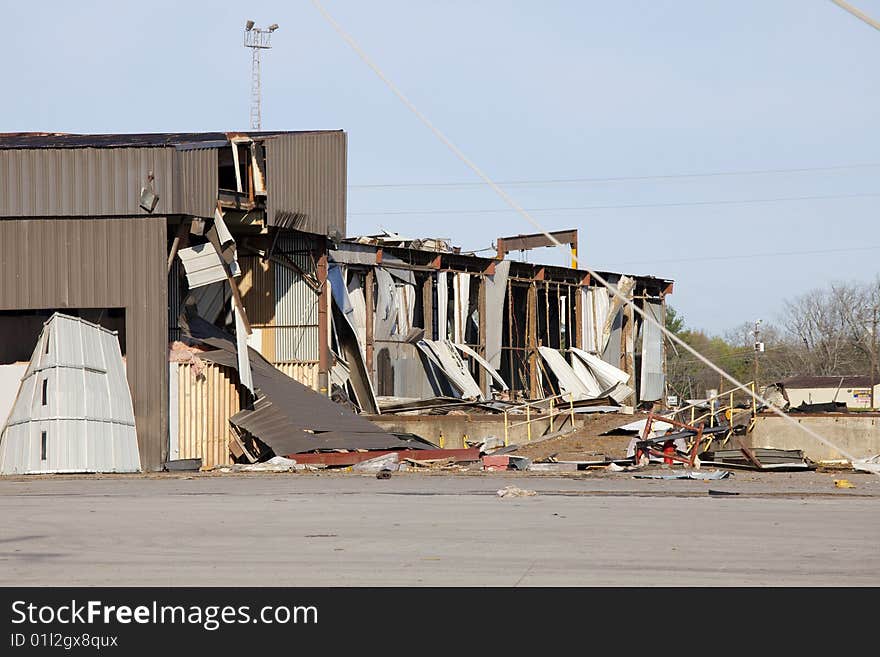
(306,181)
(42,266)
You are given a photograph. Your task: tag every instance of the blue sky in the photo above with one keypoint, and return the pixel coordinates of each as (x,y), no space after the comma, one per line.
(532,91)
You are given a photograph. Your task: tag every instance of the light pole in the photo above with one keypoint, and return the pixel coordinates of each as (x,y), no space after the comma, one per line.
(759,348)
(257,39)
(873,356)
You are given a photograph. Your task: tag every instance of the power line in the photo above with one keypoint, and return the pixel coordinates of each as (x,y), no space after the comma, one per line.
(583,208)
(578,181)
(648,317)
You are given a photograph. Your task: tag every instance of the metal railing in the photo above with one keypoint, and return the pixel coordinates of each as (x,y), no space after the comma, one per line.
(723,411)
(553,410)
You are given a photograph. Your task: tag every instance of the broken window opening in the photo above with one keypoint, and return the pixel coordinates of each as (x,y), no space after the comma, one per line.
(21,329)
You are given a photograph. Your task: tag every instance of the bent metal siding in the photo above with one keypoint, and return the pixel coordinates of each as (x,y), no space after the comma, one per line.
(101,263)
(306,178)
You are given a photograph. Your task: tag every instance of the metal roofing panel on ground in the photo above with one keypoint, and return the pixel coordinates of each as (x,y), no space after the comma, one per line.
(73,411)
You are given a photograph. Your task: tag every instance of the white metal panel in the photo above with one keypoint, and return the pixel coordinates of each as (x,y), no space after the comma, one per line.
(202,264)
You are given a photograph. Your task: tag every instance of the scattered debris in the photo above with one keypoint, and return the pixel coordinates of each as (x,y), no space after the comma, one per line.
(384,473)
(721,493)
(513,491)
(494,462)
(553,467)
(349,458)
(871,465)
(843,483)
(689,474)
(758,458)
(390,462)
(183,465)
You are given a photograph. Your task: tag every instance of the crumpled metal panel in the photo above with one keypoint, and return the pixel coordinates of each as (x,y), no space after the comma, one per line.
(73,412)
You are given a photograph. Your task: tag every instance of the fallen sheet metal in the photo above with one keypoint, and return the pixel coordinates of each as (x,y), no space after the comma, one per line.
(612,380)
(73,411)
(293,417)
(871,465)
(758,458)
(444,356)
(352,350)
(482,362)
(569,382)
(700,475)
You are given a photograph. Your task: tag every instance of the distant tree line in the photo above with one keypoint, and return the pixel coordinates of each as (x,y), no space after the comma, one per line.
(829,331)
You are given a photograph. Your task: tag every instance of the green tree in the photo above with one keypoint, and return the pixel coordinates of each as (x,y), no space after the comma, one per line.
(674,321)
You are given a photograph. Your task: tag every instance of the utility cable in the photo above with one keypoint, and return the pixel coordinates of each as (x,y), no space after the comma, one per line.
(513,204)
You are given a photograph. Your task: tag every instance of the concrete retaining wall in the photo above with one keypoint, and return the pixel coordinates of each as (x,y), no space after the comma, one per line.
(450,431)
(856,433)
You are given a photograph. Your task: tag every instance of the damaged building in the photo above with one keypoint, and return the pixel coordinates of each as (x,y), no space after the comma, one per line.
(222,263)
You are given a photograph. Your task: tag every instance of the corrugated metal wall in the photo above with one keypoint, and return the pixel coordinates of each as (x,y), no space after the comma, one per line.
(101,263)
(195,189)
(305,373)
(205,404)
(105,181)
(296,303)
(207,398)
(306,178)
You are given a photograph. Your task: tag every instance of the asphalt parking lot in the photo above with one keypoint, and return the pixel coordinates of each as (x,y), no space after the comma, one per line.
(443,530)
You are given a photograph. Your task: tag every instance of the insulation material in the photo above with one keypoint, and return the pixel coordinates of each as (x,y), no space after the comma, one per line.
(443,354)
(569,382)
(482,362)
(386,305)
(653,381)
(73,411)
(244,367)
(496,289)
(442,306)
(461,289)
(611,330)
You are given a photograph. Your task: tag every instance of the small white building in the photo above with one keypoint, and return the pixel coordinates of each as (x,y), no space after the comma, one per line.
(73,411)
(855,391)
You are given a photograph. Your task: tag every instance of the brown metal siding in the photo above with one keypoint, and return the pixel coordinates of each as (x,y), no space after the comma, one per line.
(195,189)
(306,176)
(106,181)
(101,263)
